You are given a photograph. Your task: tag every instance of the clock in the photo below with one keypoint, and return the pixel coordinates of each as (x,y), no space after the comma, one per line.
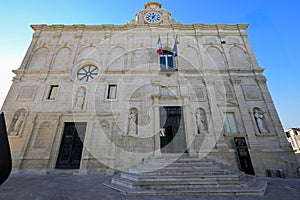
(153,17)
(87,73)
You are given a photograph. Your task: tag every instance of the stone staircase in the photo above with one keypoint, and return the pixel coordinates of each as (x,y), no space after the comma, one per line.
(186,175)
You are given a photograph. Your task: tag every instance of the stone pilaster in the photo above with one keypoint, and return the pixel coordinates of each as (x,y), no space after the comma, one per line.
(217,120)
(28,130)
(246,118)
(55,143)
(275,123)
(188,121)
(156,125)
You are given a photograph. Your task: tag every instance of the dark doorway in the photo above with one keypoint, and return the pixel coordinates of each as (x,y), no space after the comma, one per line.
(172,136)
(70,152)
(243,155)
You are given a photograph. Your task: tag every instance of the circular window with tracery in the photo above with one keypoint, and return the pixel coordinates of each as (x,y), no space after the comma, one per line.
(87,73)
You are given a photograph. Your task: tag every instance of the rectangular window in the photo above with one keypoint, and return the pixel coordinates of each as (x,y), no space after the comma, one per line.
(112,92)
(167,62)
(170,62)
(52,92)
(230,123)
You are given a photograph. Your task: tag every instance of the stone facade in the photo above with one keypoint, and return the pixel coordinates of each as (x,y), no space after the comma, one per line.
(293,136)
(110,80)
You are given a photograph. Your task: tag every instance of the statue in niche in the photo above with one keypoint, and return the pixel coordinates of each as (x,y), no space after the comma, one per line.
(80,98)
(132,124)
(18,120)
(201,126)
(259,118)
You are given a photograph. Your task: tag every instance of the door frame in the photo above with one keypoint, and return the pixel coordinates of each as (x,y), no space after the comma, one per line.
(179,128)
(77,135)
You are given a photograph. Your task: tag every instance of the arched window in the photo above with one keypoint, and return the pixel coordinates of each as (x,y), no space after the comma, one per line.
(167,61)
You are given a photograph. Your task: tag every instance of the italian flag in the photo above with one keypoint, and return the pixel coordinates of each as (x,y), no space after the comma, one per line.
(159,47)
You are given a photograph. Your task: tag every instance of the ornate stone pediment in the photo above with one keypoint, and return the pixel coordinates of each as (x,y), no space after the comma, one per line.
(153,13)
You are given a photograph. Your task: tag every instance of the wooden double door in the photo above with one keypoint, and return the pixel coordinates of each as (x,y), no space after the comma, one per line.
(172,134)
(70,152)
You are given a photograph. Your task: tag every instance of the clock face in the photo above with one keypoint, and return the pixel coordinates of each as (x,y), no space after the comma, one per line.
(153,17)
(87,73)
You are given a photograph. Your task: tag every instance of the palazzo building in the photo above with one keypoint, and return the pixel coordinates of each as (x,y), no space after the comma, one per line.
(293,136)
(93,98)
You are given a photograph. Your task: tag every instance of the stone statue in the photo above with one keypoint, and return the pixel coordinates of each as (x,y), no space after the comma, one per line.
(132,127)
(200,123)
(80,98)
(162,132)
(18,121)
(260,122)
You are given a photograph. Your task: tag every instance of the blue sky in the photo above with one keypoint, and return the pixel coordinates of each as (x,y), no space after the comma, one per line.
(273,33)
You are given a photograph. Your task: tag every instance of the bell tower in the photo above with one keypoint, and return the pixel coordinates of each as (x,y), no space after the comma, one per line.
(153,14)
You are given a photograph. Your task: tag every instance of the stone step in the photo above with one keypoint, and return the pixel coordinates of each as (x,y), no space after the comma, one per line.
(245,181)
(187,164)
(257,188)
(180,169)
(185,175)
(178,160)
(178,172)
(181,177)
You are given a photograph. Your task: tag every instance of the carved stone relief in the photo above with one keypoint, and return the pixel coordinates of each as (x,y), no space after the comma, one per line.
(27,93)
(198,93)
(251,92)
(224,91)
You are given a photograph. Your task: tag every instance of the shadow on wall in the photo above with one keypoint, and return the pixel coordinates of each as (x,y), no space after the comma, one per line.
(5,156)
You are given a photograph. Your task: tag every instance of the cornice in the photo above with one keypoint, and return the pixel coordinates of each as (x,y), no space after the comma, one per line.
(75,27)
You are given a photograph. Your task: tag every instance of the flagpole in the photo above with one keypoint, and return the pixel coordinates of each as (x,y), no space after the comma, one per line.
(176,60)
(168,41)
